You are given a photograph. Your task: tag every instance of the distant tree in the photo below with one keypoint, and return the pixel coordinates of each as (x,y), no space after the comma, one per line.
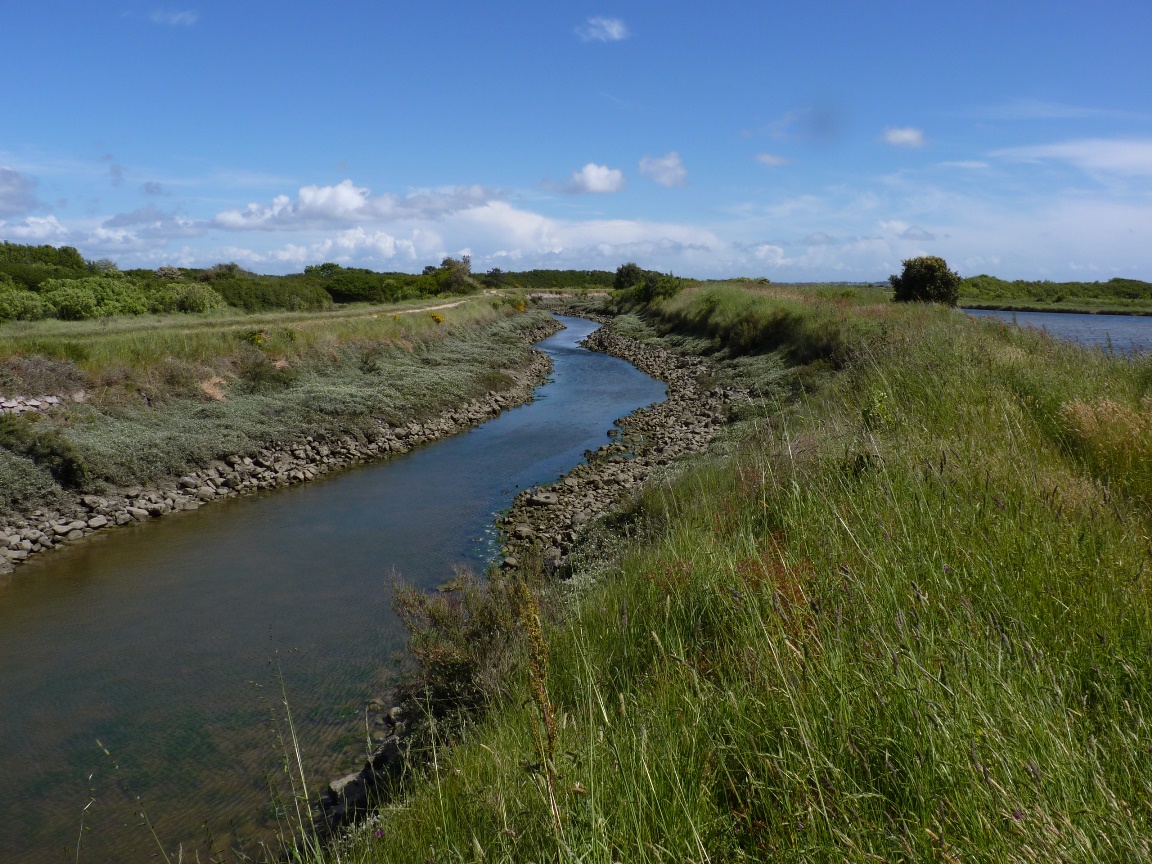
(628,276)
(926,279)
(430,270)
(168,272)
(455,275)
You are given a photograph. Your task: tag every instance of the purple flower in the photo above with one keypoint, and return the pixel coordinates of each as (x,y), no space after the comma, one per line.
(1017,815)
(379,832)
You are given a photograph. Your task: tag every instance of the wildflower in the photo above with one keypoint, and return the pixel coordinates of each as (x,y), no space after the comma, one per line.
(379,832)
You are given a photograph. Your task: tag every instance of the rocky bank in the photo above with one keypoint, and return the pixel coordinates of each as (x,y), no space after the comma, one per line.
(290,463)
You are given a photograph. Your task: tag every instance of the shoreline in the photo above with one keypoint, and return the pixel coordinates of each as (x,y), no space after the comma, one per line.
(992,306)
(549,523)
(30,534)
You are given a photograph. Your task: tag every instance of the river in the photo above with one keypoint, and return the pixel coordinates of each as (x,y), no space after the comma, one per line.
(1124,334)
(161,640)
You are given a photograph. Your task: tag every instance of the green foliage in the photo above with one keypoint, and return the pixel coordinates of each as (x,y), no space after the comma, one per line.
(17,304)
(260,293)
(628,276)
(926,279)
(541,280)
(984,287)
(185,297)
(46,446)
(93,297)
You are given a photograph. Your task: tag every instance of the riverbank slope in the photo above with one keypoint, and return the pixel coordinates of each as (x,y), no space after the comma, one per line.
(902,613)
(254,407)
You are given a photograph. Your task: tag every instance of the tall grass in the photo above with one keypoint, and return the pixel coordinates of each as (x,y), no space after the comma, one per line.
(907,620)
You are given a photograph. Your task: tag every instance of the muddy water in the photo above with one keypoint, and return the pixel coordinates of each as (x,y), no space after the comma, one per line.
(161,641)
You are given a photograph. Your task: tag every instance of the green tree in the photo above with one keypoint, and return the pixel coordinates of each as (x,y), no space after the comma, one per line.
(926,279)
(628,276)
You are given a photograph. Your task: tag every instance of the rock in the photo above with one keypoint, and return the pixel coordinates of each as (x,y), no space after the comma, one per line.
(524,532)
(348,787)
(74,535)
(510,562)
(189,482)
(97,522)
(544,499)
(138,513)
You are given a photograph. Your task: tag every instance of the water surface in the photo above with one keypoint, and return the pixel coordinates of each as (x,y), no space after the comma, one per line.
(156,639)
(1125,334)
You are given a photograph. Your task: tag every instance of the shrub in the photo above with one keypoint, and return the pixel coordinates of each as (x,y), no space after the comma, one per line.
(17,304)
(926,279)
(191,297)
(94,297)
(628,276)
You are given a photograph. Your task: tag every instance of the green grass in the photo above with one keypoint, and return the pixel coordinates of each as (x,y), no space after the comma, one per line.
(149,414)
(907,619)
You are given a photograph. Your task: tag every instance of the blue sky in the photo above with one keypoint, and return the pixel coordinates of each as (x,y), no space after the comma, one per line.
(823,140)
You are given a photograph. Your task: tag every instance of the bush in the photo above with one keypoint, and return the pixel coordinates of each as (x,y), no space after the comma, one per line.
(94,297)
(926,279)
(192,297)
(628,276)
(17,304)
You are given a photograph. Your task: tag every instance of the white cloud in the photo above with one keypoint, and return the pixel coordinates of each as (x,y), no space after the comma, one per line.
(771,159)
(17,193)
(596,179)
(599,29)
(319,206)
(971,164)
(175,18)
(904,136)
(666,170)
(34,228)
(1124,157)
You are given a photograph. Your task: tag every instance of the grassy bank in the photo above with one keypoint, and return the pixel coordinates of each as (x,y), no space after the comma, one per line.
(1116,296)
(159,394)
(905,617)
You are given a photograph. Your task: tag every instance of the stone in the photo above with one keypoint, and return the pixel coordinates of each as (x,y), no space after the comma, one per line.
(510,562)
(74,535)
(544,499)
(138,513)
(97,522)
(524,532)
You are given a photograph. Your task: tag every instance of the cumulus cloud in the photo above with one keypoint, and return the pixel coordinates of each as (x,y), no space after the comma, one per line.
(174,17)
(771,159)
(904,136)
(599,29)
(36,229)
(17,193)
(319,206)
(666,170)
(1123,157)
(595,179)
